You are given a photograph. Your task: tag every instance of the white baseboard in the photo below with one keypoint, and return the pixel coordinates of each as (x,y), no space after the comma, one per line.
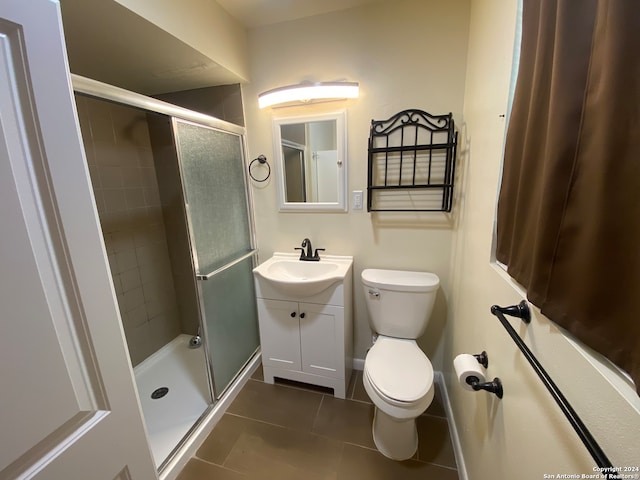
(358,364)
(453,430)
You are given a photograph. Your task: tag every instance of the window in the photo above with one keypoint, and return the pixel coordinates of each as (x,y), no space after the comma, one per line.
(569,204)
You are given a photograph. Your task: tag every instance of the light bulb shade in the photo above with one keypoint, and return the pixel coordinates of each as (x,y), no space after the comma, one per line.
(305,92)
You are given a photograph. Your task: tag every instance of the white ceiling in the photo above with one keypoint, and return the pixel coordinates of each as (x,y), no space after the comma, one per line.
(255,13)
(110,43)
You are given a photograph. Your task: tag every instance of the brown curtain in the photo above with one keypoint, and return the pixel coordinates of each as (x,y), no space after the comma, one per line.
(569,206)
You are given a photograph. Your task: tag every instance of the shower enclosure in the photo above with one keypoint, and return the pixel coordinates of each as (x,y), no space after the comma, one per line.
(175,212)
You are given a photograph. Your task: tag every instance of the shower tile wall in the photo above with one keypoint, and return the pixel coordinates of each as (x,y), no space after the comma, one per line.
(121,166)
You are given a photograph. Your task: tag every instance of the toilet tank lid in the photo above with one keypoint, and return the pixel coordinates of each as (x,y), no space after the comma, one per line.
(400,280)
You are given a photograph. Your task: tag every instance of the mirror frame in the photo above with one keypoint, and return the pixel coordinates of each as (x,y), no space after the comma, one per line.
(341,144)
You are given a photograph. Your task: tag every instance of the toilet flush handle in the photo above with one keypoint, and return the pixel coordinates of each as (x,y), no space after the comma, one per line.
(375,294)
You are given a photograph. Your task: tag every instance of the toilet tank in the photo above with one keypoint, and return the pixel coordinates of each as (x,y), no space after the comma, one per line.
(399,302)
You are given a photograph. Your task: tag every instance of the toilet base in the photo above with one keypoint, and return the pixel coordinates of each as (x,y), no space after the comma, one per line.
(395,439)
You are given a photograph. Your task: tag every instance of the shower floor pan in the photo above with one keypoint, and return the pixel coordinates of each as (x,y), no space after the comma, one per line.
(176,376)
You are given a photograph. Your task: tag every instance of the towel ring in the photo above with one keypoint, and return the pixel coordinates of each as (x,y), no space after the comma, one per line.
(262,160)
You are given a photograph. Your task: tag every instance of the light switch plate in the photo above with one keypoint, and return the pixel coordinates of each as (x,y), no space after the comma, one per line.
(356,199)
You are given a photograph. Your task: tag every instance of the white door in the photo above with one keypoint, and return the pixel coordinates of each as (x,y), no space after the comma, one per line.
(68,406)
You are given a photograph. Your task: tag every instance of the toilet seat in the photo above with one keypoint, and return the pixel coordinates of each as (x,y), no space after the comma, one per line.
(387,399)
(398,371)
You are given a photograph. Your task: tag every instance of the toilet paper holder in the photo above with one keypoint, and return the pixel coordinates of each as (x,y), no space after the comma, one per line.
(494,386)
(482,358)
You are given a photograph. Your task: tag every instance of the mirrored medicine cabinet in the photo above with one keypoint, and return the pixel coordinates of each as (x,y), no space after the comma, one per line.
(311,162)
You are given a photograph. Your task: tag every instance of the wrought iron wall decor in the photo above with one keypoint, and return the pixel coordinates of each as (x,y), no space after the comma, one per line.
(411,163)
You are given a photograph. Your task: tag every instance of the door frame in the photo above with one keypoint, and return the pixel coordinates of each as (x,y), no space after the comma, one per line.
(57,264)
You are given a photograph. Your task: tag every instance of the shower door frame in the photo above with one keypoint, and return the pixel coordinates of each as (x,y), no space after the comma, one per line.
(199,277)
(104,91)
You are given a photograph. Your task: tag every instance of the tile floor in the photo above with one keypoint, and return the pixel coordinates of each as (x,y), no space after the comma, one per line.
(291,431)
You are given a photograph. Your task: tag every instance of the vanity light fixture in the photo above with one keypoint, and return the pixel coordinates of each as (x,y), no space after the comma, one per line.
(307,92)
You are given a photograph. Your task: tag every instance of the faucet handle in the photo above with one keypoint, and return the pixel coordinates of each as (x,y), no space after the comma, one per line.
(301,252)
(316,254)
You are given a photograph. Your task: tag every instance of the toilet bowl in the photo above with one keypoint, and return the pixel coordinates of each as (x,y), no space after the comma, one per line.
(398,376)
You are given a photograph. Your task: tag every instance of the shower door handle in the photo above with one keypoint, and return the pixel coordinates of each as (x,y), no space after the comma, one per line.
(227,266)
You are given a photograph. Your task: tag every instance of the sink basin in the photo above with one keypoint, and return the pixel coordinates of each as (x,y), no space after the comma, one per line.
(290,276)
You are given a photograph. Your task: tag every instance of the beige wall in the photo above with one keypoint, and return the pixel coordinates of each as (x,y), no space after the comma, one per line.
(203,25)
(523,435)
(405,54)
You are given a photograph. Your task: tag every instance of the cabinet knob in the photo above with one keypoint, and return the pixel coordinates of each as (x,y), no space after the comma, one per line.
(302,315)
(293,314)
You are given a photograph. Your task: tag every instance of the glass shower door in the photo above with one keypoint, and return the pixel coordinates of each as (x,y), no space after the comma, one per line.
(216,198)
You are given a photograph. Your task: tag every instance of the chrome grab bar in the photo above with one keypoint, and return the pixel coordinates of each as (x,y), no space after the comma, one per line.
(227,266)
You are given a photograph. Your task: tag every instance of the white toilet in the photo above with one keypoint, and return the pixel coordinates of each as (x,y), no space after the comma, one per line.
(398,376)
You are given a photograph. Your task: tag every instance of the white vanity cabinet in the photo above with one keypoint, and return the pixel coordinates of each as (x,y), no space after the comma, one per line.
(301,336)
(307,339)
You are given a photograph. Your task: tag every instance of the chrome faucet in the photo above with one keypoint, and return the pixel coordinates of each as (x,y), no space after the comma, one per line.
(309,256)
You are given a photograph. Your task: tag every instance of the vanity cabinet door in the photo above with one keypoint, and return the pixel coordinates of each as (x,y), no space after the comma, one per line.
(322,339)
(279,333)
